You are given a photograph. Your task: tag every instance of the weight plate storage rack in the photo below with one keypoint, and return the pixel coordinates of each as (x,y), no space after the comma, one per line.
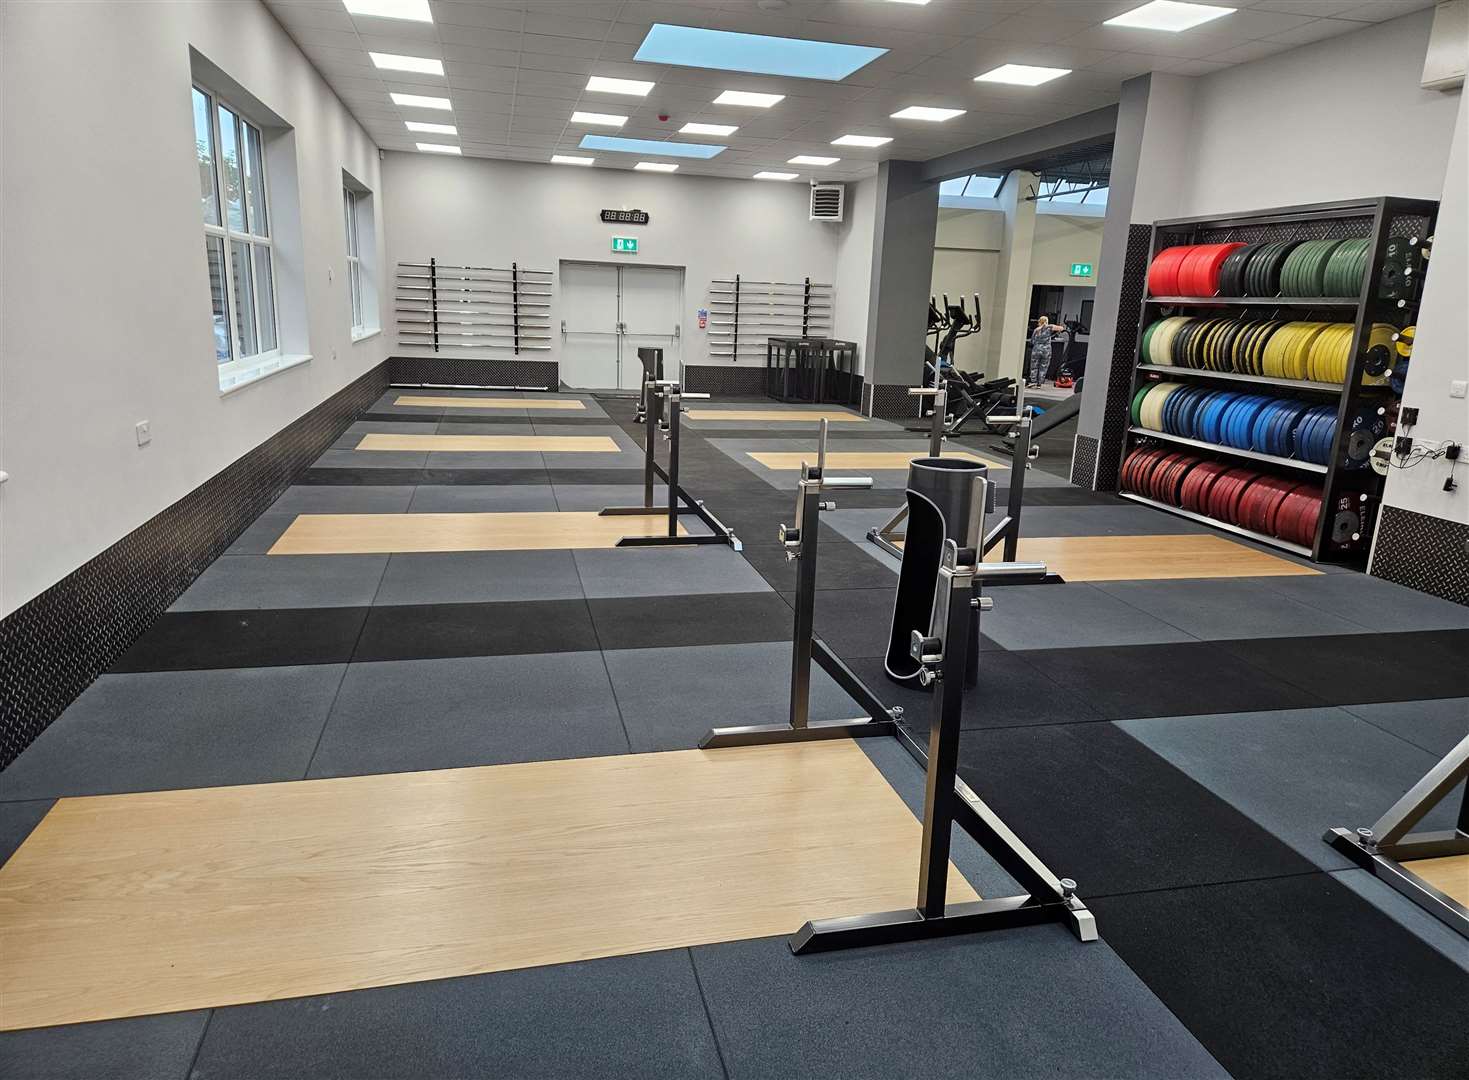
(442,306)
(744,314)
(1272,349)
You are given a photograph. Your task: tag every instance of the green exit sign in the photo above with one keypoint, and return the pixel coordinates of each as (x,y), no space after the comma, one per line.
(1081,269)
(625,245)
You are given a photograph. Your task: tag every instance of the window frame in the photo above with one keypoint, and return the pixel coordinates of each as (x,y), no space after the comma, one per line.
(351,206)
(229,235)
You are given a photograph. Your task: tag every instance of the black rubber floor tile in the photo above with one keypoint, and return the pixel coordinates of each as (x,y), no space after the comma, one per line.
(1006,1005)
(18,820)
(403,417)
(358,477)
(1098,806)
(1295,978)
(625,1017)
(1011,692)
(592,476)
(706,619)
(428,631)
(199,640)
(1173,679)
(145,1048)
(1364,668)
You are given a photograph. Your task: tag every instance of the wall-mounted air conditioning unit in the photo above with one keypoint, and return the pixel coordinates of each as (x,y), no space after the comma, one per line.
(828,201)
(1448,47)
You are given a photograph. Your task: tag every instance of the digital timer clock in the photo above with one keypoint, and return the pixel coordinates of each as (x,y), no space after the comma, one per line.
(625,217)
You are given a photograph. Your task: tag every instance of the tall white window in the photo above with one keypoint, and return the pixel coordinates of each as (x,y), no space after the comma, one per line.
(350,202)
(237,243)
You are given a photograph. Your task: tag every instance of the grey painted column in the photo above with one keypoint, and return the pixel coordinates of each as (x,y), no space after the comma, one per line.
(1010,307)
(1149,162)
(905,222)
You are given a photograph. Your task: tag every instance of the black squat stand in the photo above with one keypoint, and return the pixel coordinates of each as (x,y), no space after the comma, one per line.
(942,651)
(1007,530)
(800,541)
(1387,845)
(664,399)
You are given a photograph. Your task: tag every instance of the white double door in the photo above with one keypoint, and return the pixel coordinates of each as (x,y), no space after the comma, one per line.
(608,311)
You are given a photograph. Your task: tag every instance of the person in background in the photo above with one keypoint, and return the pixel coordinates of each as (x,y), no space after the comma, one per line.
(1040,350)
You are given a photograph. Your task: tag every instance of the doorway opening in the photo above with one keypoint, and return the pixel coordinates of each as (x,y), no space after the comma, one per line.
(608,311)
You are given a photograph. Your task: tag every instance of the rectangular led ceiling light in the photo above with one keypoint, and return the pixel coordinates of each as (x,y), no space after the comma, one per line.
(570,159)
(776,175)
(437,148)
(417,101)
(656,166)
(604,119)
(1169,15)
(725,50)
(424,65)
(708,129)
(744,97)
(649,146)
(430,129)
(600,84)
(1022,74)
(416,10)
(861,140)
(922,112)
(811,159)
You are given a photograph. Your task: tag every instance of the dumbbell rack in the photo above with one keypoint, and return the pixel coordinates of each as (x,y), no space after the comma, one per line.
(1346,490)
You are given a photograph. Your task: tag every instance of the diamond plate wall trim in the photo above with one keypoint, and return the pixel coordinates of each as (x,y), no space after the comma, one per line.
(890,402)
(464,371)
(55,645)
(1425,553)
(1124,356)
(724,379)
(1084,461)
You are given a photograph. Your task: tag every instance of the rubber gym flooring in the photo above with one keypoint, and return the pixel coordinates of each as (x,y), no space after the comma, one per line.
(1177,745)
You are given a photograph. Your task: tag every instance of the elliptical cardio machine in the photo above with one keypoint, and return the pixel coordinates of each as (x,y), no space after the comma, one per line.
(971,394)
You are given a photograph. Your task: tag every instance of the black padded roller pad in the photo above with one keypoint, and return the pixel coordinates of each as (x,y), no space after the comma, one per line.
(913,605)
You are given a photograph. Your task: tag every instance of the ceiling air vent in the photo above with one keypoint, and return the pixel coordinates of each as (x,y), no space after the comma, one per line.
(827,201)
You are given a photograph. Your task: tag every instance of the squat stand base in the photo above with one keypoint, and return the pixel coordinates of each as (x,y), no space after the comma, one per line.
(815,731)
(1382,864)
(891,927)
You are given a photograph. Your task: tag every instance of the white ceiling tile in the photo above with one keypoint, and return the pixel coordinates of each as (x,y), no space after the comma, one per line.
(473,13)
(1318,30)
(1381,10)
(1314,8)
(551,19)
(560,46)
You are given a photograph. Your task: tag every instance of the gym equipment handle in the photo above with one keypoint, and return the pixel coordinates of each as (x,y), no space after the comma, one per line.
(855,483)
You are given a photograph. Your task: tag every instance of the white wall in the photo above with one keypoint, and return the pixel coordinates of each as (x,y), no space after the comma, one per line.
(106,311)
(1338,119)
(1440,352)
(474,211)
(854,266)
(967,258)
(1060,241)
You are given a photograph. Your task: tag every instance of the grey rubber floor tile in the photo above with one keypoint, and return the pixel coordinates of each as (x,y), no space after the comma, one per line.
(18,820)
(1214,609)
(414,426)
(1070,616)
(1008,1005)
(670,697)
(601,496)
(1437,725)
(1296,772)
(343,499)
(144,1048)
(672,571)
(460,577)
(481,498)
(179,729)
(371,459)
(243,582)
(1102,521)
(628,1017)
(485,459)
(261,534)
(1406,914)
(407,715)
(1374,603)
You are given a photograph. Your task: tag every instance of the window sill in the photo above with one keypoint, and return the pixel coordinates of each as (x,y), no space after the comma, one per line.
(363,335)
(233,378)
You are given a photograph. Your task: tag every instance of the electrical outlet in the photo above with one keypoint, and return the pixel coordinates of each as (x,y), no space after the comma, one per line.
(1408,417)
(1459,388)
(144,432)
(1403,446)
